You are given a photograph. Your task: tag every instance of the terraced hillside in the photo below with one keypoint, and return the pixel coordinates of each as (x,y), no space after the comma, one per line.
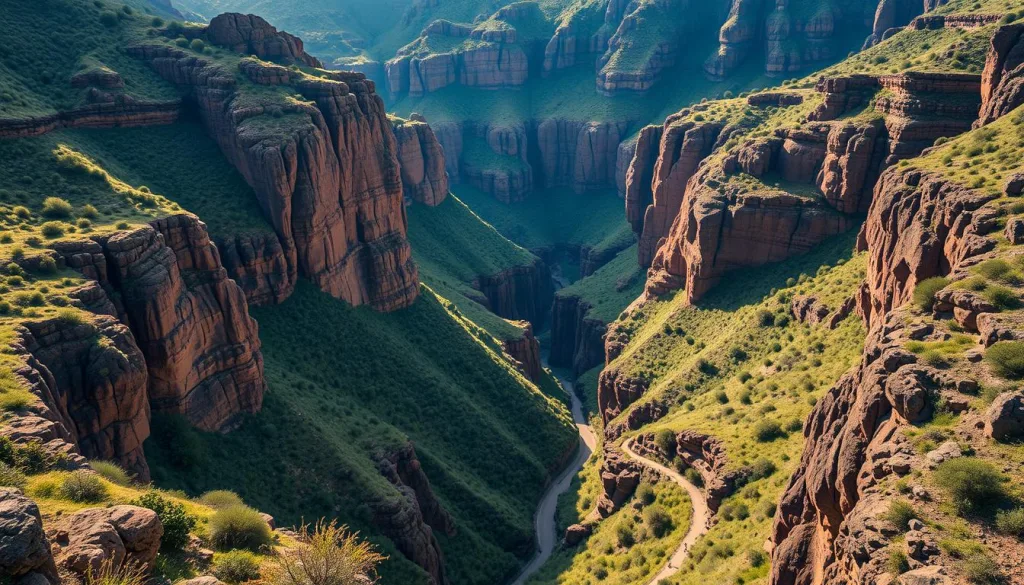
(208,281)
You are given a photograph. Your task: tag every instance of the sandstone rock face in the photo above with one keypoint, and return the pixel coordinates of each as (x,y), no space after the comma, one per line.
(190,321)
(249,34)
(809,309)
(424,178)
(892,14)
(525,352)
(701,452)
(619,478)
(258,264)
(852,161)
(576,340)
(919,226)
(24,548)
(682,147)
(522,292)
(1002,81)
(95,392)
(577,154)
(616,391)
(640,176)
(327,178)
(411,519)
(102,110)
(121,535)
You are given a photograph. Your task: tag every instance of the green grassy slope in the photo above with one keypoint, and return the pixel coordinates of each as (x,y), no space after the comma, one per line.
(612,287)
(345,383)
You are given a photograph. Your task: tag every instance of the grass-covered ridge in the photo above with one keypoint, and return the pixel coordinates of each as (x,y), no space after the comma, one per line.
(354,382)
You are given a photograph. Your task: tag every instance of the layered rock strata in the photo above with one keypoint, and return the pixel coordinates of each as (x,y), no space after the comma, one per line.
(522,292)
(577,341)
(525,352)
(326,174)
(422,162)
(1002,81)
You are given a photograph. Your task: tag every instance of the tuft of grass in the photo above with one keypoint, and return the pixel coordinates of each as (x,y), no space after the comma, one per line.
(1002,297)
(57,208)
(1011,522)
(924,293)
(338,555)
(239,527)
(1007,359)
(218,499)
(970,483)
(83,487)
(899,514)
(767,430)
(897,564)
(111,471)
(237,566)
(11,476)
(982,570)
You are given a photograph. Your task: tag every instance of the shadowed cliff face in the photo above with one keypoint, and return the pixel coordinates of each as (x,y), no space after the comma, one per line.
(1002,81)
(325,172)
(424,178)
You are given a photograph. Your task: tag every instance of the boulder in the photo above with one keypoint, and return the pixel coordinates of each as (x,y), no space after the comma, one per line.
(119,535)
(24,548)
(576,533)
(1004,419)
(1014,231)
(933,575)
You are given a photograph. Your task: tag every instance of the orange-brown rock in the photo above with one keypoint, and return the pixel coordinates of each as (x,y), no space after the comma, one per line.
(421,158)
(616,391)
(705,454)
(93,393)
(326,175)
(249,34)
(843,94)
(525,352)
(118,535)
(619,478)
(920,225)
(24,548)
(1002,81)
(411,519)
(681,149)
(640,176)
(853,158)
(259,265)
(104,110)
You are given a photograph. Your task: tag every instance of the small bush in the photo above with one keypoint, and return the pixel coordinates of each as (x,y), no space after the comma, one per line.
(761,469)
(111,471)
(52,229)
(239,527)
(722,397)
(109,18)
(981,569)
(237,566)
(693,476)
(1002,297)
(112,574)
(197,45)
(756,558)
(1011,522)
(994,268)
(88,211)
(970,483)
(338,553)
(83,487)
(899,514)
(765,318)
(22,212)
(924,293)
(645,494)
(624,534)
(57,208)
(218,499)
(767,430)
(177,522)
(897,563)
(1007,359)
(11,477)
(781,320)
(657,520)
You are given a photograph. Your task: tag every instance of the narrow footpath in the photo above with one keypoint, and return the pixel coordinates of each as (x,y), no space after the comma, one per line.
(699,520)
(544,519)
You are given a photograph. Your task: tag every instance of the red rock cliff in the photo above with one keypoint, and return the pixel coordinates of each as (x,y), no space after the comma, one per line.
(424,178)
(1002,81)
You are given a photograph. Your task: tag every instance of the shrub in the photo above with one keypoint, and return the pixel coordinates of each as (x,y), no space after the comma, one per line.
(109,18)
(56,207)
(111,471)
(88,211)
(899,514)
(794,425)
(82,487)
(761,469)
(979,568)
(1007,359)
(722,397)
(924,293)
(657,520)
(897,563)
(624,534)
(1011,522)
(767,430)
(338,554)
(665,439)
(218,499)
(781,320)
(237,566)
(22,212)
(994,268)
(693,476)
(765,318)
(970,482)
(1003,298)
(177,522)
(52,229)
(197,45)
(645,493)
(756,558)
(239,527)
(11,477)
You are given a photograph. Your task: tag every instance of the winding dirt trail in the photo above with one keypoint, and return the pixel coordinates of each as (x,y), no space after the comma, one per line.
(544,519)
(699,520)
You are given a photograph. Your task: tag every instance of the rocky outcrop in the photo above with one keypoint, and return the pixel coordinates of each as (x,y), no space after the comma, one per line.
(92,381)
(522,292)
(640,176)
(705,454)
(248,34)
(1002,81)
(577,341)
(119,535)
(325,173)
(421,158)
(525,352)
(619,478)
(102,110)
(201,347)
(854,156)
(919,226)
(618,73)
(411,518)
(1005,416)
(616,391)
(809,309)
(682,147)
(258,264)
(891,16)
(843,94)
(24,548)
